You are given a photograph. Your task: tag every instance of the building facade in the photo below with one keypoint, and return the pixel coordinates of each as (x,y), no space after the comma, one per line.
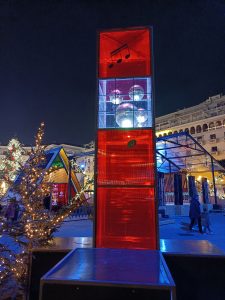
(205,122)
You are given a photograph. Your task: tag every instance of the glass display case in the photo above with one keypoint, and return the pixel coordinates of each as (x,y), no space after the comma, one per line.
(125,103)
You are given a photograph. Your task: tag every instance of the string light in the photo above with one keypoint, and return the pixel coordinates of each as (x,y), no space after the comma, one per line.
(36,226)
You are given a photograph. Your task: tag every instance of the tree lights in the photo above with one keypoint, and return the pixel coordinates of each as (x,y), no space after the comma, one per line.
(10,164)
(36,225)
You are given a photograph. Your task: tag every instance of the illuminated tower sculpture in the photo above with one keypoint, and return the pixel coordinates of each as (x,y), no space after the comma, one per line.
(125,157)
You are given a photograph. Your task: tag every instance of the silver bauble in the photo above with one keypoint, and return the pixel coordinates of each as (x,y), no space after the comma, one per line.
(125,115)
(136,93)
(115,97)
(141,115)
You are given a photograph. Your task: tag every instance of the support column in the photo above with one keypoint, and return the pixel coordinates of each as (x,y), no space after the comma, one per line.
(214,182)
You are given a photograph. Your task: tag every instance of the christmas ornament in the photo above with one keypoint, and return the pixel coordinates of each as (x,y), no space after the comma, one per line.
(125,115)
(115,97)
(141,115)
(136,93)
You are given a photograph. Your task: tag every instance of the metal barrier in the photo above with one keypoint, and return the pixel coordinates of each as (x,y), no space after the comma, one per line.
(84,211)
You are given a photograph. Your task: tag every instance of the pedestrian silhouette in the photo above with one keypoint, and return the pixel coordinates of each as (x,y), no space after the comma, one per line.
(195,213)
(206,220)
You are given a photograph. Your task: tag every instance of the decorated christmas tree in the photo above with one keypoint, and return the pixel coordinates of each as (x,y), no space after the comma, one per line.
(35,224)
(12,161)
(10,164)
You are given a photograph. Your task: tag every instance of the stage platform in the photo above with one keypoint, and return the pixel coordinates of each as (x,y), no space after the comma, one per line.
(197,266)
(189,248)
(109,273)
(44,258)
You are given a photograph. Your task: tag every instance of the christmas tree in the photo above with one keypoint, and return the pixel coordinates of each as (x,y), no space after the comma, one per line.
(36,225)
(32,226)
(10,164)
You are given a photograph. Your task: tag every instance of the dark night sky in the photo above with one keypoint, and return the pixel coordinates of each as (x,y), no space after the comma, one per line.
(48,60)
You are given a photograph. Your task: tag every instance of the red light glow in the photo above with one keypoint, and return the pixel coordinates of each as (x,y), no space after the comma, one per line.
(123,53)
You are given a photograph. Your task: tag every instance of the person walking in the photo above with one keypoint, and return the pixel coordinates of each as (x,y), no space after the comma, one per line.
(195,213)
(10,211)
(47,201)
(206,220)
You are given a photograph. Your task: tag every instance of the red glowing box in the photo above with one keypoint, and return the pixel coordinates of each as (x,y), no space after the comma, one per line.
(124,53)
(126,218)
(125,157)
(126,209)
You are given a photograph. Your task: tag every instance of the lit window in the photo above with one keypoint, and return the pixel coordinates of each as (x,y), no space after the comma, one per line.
(205,127)
(192,130)
(211,125)
(198,129)
(218,123)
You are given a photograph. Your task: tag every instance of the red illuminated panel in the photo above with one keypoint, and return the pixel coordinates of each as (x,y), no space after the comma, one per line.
(59,194)
(125,157)
(126,218)
(124,53)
